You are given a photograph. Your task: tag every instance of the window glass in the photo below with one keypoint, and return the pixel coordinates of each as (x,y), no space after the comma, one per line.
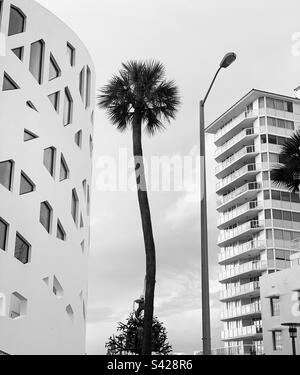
(266,194)
(71,54)
(276,195)
(285,196)
(49,156)
(26,186)
(287,215)
(267,214)
(54,99)
(54,70)
(45,216)
(74,206)
(263,138)
(67,108)
(8,83)
(261,102)
(272,139)
(36,60)
(28,136)
(78,138)
(264,157)
(275,306)
(61,235)
(81,83)
(277,215)
(64,171)
(88,87)
(16,21)
(22,249)
(6,174)
(3,234)
(18,52)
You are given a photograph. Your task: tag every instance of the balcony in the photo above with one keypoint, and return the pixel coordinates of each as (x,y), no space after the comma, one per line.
(244,120)
(244,212)
(241,175)
(242,139)
(248,229)
(253,309)
(253,269)
(242,332)
(255,349)
(242,251)
(240,158)
(248,290)
(247,192)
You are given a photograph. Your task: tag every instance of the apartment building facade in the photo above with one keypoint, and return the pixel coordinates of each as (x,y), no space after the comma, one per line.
(47,85)
(258,221)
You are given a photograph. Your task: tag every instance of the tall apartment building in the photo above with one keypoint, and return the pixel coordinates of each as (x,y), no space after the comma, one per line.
(258,221)
(46,114)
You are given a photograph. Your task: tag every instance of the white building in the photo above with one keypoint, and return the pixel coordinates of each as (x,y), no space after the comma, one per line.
(258,221)
(280,299)
(46,114)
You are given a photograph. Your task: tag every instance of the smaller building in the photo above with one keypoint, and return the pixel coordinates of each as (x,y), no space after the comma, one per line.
(280,299)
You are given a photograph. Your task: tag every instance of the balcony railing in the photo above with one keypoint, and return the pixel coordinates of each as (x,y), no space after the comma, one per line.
(255,349)
(240,290)
(252,330)
(235,122)
(243,268)
(233,251)
(235,175)
(231,233)
(238,155)
(239,191)
(244,133)
(225,217)
(253,308)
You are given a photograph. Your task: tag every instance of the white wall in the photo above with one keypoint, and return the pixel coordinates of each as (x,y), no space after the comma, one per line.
(283,284)
(46,328)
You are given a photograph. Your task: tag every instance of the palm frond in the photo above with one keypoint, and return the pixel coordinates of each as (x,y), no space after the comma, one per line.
(288,172)
(140,85)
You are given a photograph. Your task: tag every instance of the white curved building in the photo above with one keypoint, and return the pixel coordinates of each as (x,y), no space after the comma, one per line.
(46,122)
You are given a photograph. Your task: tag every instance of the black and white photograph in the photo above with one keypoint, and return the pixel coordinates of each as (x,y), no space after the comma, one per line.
(150,181)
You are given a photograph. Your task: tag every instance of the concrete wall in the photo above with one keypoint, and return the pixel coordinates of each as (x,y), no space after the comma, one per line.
(283,284)
(46,327)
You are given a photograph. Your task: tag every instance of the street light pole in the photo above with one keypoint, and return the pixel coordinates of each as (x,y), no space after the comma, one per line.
(228,59)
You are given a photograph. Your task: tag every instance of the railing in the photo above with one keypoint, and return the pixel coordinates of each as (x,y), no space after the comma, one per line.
(235,193)
(241,332)
(253,308)
(244,133)
(244,151)
(240,290)
(243,268)
(239,211)
(235,175)
(230,233)
(236,121)
(237,350)
(232,251)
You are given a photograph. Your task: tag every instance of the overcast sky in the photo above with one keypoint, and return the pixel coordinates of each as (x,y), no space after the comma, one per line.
(189,37)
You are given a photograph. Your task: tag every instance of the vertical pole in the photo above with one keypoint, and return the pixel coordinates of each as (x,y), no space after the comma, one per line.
(294,345)
(204,242)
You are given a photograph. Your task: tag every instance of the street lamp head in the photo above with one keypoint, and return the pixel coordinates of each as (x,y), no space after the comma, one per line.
(228,59)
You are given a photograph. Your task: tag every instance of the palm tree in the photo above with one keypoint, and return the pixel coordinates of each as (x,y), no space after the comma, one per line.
(139,96)
(288,172)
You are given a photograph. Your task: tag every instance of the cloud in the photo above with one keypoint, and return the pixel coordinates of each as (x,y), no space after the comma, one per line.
(187,207)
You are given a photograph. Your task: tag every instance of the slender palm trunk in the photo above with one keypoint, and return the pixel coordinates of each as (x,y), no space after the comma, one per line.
(147,231)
